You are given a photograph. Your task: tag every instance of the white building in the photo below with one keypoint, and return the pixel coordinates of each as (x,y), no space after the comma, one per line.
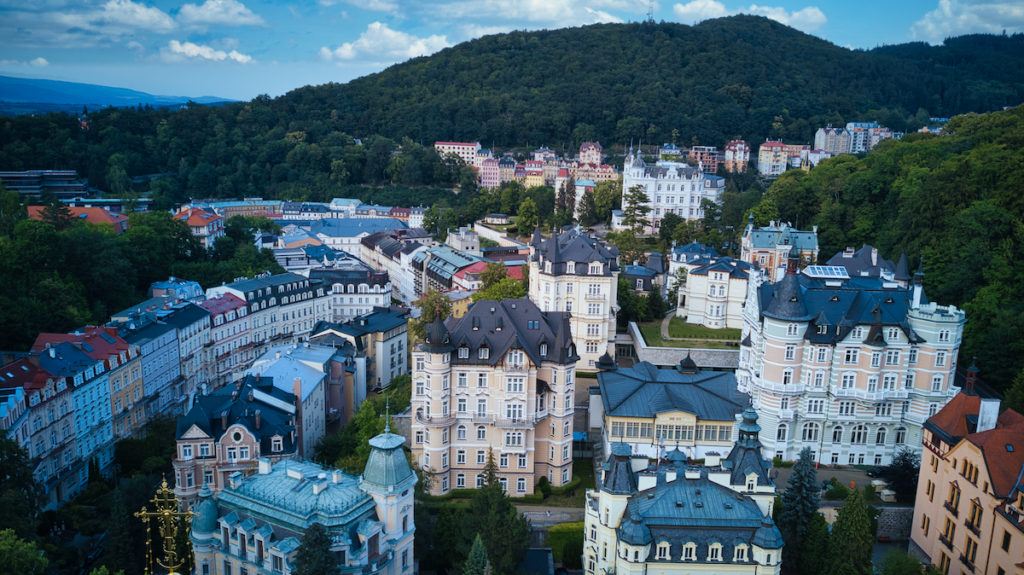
(715,290)
(576,273)
(850,368)
(671,187)
(669,517)
(466,150)
(345,234)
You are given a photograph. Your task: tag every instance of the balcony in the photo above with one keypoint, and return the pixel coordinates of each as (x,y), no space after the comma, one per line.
(973,528)
(515,368)
(785,414)
(594,297)
(516,423)
(435,421)
(967,563)
(945,541)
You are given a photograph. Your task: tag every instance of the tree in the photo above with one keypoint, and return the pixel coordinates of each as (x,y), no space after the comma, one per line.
(813,548)
(477,562)
(565,202)
(901,474)
(799,504)
(679,283)
(607,197)
(635,209)
(668,227)
(1014,398)
(20,556)
(433,305)
(102,570)
(118,182)
(11,211)
(528,216)
(314,556)
(493,273)
(506,533)
(123,544)
(55,212)
(852,538)
(507,288)
(656,307)
(588,209)
(19,492)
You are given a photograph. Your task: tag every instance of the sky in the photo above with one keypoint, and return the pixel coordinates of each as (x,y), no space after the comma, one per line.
(242,48)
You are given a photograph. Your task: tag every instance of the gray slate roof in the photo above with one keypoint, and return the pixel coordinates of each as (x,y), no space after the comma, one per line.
(783,234)
(574,246)
(733,267)
(241,409)
(644,391)
(511,324)
(865,262)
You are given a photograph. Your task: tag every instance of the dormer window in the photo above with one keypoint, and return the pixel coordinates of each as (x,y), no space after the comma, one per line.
(463,352)
(570,267)
(715,552)
(792,329)
(822,329)
(690,552)
(595,269)
(740,553)
(544,349)
(484,352)
(663,550)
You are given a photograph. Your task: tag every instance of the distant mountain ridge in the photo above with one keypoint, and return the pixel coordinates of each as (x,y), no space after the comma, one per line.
(26,95)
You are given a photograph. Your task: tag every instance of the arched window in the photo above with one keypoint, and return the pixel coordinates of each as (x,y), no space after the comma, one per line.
(859,435)
(782,433)
(690,552)
(810,431)
(461,432)
(792,329)
(837,434)
(880,436)
(901,435)
(740,553)
(715,552)
(663,550)
(481,432)
(351,288)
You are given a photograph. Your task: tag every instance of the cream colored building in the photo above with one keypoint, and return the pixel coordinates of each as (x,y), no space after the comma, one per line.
(668,517)
(498,382)
(850,368)
(714,293)
(576,273)
(969,509)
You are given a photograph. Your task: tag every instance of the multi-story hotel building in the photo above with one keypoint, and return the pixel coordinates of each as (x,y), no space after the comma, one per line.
(497,383)
(576,273)
(256,523)
(192,323)
(715,291)
(769,247)
(969,508)
(467,151)
(354,287)
(670,517)
(653,409)
(590,153)
(772,158)
(707,157)
(205,225)
(736,156)
(671,187)
(230,429)
(230,347)
(849,367)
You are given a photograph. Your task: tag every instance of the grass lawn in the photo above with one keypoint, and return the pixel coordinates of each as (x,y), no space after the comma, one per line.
(582,469)
(652,335)
(679,328)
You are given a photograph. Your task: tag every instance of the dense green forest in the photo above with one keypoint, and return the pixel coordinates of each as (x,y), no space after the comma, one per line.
(741,76)
(954,202)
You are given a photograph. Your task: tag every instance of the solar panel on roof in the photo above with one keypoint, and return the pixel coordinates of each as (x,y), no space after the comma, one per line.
(829,272)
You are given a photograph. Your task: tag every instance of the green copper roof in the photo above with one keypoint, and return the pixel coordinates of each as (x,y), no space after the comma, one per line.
(387,465)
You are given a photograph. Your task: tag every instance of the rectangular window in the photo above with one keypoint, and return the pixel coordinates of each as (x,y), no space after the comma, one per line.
(851,356)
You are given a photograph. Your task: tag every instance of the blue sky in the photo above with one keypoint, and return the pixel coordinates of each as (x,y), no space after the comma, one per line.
(241,48)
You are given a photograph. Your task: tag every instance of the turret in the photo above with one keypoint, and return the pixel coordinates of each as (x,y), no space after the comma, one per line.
(918,288)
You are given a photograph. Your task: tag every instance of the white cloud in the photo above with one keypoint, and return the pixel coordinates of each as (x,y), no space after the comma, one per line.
(184,50)
(117,17)
(807,19)
(697,10)
(526,14)
(218,12)
(388,6)
(602,17)
(39,62)
(956,17)
(379,43)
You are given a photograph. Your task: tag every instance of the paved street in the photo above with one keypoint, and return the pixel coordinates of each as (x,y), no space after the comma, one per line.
(541,516)
(844,475)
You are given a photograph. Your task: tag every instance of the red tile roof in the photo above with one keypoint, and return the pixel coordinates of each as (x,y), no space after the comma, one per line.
(953,417)
(222,304)
(97,342)
(1003,448)
(196,217)
(91,215)
(25,373)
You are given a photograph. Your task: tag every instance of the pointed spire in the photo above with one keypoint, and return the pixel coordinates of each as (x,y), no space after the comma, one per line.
(902,272)
(387,414)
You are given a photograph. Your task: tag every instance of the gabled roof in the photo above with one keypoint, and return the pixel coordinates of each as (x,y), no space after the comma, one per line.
(865,262)
(644,391)
(775,235)
(733,268)
(352,227)
(197,217)
(576,246)
(91,215)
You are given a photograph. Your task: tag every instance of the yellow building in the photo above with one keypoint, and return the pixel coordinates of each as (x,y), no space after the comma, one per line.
(969,508)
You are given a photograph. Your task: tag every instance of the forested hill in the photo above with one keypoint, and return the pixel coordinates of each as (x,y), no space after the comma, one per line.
(743,76)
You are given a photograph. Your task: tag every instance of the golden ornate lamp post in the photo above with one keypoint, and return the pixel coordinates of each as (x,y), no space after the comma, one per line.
(170,522)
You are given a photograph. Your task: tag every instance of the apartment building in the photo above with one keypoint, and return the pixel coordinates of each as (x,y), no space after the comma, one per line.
(346,234)
(381,336)
(228,431)
(969,507)
(490,173)
(591,153)
(715,291)
(671,516)
(671,187)
(576,273)
(769,247)
(736,156)
(204,224)
(303,371)
(230,347)
(353,288)
(651,409)
(772,158)
(497,383)
(707,157)
(849,367)
(467,151)
(159,349)
(192,324)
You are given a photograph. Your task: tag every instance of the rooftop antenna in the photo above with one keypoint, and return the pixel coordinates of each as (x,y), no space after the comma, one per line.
(650,11)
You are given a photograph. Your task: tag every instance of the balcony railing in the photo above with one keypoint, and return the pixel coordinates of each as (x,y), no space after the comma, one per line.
(967,562)
(953,509)
(435,421)
(593,297)
(516,423)
(945,541)
(973,528)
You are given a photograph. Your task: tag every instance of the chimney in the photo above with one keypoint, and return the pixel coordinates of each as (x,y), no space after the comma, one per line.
(988,414)
(692,473)
(874,256)
(712,459)
(53,352)
(918,287)
(277,355)
(297,390)
(259,420)
(263,466)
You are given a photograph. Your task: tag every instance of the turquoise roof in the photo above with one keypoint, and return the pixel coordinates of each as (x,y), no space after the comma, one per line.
(297,494)
(205,519)
(388,465)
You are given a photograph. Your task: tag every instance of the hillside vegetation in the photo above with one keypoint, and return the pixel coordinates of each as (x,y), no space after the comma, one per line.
(953,202)
(741,76)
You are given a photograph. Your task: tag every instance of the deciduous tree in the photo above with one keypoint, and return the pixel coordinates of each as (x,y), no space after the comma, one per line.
(314,556)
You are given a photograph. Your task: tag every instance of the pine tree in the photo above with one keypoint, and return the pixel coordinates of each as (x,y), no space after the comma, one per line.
(635,209)
(123,548)
(799,504)
(852,538)
(314,556)
(477,562)
(55,212)
(505,531)
(813,547)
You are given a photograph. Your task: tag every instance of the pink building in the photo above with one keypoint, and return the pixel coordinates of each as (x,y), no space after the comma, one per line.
(706,156)
(590,153)
(490,173)
(737,156)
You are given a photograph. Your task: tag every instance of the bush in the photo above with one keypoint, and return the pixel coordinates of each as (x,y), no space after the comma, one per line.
(836,491)
(544,486)
(566,542)
(779,463)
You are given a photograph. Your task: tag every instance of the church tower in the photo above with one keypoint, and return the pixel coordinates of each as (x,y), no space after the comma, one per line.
(389,480)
